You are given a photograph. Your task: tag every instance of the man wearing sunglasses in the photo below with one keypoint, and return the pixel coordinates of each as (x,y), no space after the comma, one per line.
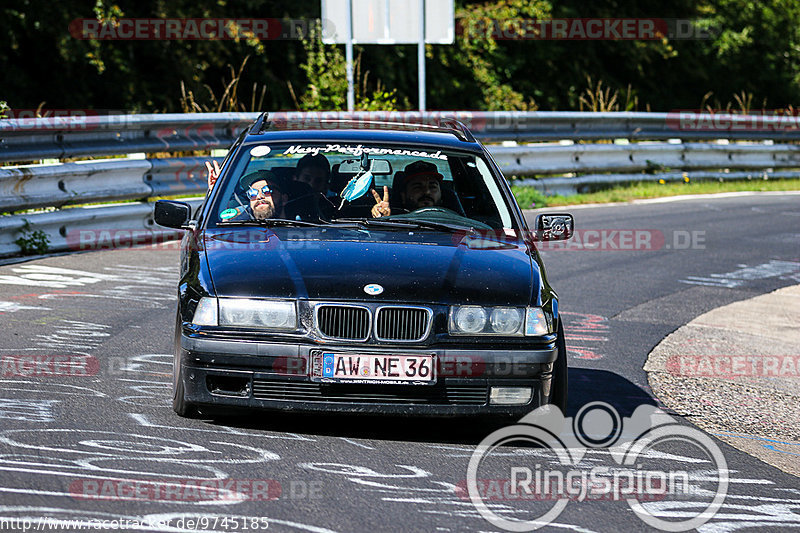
(264,191)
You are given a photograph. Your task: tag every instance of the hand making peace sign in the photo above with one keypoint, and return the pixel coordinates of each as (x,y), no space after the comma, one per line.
(381,208)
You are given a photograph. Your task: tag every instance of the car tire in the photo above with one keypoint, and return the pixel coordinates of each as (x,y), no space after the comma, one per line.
(560,383)
(179,403)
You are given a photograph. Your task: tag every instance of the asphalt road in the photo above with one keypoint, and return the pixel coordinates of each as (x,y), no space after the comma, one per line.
(71,447)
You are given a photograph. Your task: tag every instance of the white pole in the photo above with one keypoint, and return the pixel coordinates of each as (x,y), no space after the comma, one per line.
(348,50)
(421,55)
(386,20)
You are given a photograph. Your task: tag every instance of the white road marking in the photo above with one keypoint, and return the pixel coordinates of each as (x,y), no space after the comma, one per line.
(13,307)
(363,471)
(27,410)
(143,421)
(53,277)
(739,277)
(354,443)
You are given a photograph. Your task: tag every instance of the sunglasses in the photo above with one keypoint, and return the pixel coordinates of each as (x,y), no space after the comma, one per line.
(253,193)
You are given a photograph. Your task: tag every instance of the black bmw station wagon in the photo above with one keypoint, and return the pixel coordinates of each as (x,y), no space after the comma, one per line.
(364,267)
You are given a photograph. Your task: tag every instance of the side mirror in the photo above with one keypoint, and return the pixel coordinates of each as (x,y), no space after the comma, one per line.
(554,227)
(172,214)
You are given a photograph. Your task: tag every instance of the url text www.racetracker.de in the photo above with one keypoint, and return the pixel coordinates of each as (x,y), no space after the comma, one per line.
(191,522)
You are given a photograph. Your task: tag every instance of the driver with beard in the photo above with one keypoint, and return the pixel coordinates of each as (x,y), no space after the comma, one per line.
(420,186)
(264,190)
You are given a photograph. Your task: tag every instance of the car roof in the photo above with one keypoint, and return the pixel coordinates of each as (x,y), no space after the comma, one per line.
(445,132)
(438,139)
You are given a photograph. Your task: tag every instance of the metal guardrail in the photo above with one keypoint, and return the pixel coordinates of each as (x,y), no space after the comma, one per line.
(69,137)
(557,159)
(32,187)
(88,228)
(64,137)
(42,186)
(589,182)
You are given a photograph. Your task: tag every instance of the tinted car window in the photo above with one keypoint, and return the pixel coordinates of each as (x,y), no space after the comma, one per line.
(468,194)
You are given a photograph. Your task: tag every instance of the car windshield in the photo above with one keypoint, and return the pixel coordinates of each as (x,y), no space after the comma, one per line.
(381,185)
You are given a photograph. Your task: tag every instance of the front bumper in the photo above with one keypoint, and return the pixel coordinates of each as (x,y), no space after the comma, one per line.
(278,376)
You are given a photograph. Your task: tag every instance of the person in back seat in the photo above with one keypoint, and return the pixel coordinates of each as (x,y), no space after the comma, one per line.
(315,170)
(419,186)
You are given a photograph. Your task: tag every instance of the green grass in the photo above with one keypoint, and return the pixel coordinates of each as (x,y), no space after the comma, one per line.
(529,197)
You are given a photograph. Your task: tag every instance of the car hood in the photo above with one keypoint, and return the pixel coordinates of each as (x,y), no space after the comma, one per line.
(336,264)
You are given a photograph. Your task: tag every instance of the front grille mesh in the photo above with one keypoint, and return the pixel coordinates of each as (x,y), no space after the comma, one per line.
(343,322)
(305,391)
(402,324)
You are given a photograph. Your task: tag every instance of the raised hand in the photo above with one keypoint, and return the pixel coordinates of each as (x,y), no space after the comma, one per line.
(213,173)
(381,207)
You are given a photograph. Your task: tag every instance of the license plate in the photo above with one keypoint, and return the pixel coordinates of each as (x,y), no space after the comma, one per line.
(374,368)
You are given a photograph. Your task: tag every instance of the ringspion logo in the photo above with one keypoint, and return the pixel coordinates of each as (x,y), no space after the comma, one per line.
(595,455)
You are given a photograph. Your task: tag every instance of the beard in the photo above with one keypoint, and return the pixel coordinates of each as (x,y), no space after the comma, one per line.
(425,201)
(263,210)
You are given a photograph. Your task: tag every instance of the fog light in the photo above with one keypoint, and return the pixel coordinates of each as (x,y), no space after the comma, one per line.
(510,395)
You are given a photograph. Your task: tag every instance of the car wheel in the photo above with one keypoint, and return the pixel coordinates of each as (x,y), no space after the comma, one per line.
(558,393)
(179,403)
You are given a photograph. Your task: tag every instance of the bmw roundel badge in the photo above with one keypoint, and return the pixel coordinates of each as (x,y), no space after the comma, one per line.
(373,289)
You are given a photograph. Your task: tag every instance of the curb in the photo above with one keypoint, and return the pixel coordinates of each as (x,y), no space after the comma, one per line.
(735,372)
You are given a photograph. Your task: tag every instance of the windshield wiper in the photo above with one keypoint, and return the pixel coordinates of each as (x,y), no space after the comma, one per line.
(270,222)
(407,224)
(375,222)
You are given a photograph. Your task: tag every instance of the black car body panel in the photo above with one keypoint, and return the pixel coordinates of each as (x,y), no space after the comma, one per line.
(336,264)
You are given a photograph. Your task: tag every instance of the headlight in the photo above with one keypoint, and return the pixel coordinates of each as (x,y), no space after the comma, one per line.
(469,319)
(505,321)
(243,312)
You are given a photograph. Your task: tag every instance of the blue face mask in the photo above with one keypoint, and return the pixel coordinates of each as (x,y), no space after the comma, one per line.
(357,187)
